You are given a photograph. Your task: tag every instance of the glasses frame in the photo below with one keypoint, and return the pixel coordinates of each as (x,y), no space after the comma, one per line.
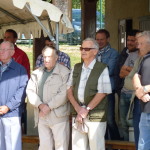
(86,49)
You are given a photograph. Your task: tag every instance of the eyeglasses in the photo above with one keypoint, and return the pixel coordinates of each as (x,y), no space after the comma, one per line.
(86,49)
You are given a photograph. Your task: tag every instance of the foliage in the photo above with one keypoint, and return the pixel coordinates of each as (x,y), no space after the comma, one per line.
(47,0)
(76,4)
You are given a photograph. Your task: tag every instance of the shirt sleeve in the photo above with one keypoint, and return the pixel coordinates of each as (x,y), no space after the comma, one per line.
(104,85)
(39,61)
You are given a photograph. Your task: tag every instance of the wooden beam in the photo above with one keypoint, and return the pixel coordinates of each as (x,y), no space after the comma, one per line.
(88,15)
(12,16)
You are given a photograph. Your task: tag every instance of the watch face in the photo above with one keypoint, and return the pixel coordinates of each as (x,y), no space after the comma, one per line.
(88,108)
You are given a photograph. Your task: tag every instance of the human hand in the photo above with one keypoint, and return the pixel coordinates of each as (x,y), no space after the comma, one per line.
(44,110)
(79,119)
(83,112)
(4,109)
(146,98)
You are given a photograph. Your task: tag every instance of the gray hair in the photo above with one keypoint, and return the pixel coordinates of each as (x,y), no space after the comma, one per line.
(11,45)
(95,44)
(52,48)
(145,34)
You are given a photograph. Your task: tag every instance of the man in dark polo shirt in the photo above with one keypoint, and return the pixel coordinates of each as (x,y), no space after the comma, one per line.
(141,82)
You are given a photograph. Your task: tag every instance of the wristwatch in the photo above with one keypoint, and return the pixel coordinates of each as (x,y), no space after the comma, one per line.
(88,108)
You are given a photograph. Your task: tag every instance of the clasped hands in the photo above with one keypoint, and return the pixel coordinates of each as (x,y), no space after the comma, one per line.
(141,94)
(44,110)
(82,113)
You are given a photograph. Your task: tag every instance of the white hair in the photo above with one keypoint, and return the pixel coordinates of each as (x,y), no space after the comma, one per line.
(146,34)
(11,45)
(95,44)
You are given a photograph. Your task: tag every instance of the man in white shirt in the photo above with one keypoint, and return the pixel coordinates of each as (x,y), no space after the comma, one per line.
(88,85)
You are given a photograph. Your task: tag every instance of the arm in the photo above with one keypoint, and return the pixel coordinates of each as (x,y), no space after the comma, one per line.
(137,86)
(125,70)
(31,91)
(113,59)
(19,95)
(96,100)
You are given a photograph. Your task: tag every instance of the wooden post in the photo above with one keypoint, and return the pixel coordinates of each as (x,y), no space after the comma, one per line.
(88,14)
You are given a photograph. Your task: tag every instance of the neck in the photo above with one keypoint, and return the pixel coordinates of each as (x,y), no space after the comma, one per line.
(87,62)
(5,61)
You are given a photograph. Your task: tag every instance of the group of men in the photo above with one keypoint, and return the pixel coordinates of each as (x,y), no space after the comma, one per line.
(90,87)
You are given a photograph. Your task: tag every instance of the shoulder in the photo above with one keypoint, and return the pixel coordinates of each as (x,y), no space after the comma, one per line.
(114,51)
(63,54)
(17,67)
(19,51)
(62,69)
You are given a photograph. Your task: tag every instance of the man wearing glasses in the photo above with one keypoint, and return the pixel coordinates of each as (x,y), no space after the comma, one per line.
(13,80)
(88,85)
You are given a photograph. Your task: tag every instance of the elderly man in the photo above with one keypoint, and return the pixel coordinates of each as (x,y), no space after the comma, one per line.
(142,86)
(47,92)
(88,85)
(13,80)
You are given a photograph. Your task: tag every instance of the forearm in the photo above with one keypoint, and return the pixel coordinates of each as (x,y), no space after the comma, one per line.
(72,99)
(125,70)
(96,100)
(136,81)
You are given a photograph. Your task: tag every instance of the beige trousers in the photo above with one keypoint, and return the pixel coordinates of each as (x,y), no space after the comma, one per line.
(53,137)
(93,140)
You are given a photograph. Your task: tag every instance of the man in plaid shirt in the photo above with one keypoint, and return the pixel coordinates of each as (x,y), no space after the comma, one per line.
(63,58)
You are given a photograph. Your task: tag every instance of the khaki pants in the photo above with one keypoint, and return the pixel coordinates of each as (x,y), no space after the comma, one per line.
(93,140)
(53,137)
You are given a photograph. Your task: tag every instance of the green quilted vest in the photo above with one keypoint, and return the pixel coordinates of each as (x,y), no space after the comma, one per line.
(99,112)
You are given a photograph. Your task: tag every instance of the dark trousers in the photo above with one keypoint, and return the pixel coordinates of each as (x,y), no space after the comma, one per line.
(136,120)
(112,131)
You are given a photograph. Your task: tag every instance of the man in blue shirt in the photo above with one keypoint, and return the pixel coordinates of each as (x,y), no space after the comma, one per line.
(109,56)
(13,80)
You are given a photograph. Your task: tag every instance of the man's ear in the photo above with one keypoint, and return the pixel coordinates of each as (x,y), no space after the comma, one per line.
(108,40)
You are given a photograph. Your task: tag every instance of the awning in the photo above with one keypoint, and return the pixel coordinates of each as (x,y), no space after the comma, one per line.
(14,14)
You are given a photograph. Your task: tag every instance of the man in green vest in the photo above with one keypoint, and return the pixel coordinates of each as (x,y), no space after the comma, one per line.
(88,85)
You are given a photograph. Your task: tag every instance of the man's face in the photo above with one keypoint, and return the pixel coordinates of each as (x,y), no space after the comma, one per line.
(48,43)
(131,43)
(88,55)
(102,40)
(143,45)
(6,52)
(50,58)
(8,36)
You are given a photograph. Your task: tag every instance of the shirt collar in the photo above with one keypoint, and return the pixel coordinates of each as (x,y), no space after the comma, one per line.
(105,49)
(90,66)
(7,64)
